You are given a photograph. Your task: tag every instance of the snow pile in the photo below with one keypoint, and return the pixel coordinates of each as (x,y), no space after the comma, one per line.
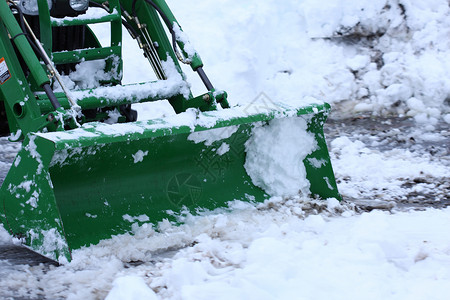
(130,288)
(304,259)
(87,75)
(366,17)
(274,159)
(383,57)
(278,250)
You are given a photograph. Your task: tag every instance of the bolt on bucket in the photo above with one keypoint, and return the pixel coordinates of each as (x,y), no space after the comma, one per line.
(66,190)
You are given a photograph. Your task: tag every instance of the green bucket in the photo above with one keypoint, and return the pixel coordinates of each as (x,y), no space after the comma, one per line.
(66,190)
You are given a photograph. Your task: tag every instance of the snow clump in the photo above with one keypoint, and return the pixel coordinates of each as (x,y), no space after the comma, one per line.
(275,156)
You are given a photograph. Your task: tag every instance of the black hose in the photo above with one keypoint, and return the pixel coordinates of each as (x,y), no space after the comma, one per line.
(162,14)
(124,21)
(166,20)
(21,16)
(133,8)
(51,96)
(94,4)
(24,29)
(130,28)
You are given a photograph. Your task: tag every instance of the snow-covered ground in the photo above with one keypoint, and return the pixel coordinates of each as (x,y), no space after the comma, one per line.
(387,240)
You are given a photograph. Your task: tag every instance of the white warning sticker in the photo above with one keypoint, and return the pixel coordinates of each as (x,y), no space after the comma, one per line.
(4,71)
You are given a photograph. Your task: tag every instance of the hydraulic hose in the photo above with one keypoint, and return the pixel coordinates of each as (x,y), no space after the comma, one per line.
(169,25)
(51,96)
(127,25)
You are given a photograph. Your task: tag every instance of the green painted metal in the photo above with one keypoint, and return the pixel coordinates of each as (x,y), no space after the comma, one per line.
(10,23)
(95,183)
(23,113)
(196,61)
(114,16)
(71,187)
(202,102)
(77,56)
(44,28)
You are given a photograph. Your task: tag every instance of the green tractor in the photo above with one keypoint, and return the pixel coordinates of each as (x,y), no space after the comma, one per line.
(79,177)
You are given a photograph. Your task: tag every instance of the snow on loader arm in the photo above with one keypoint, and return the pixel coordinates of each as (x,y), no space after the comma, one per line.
(79,179)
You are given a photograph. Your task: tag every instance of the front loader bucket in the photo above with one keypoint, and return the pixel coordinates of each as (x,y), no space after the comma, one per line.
(71,189)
